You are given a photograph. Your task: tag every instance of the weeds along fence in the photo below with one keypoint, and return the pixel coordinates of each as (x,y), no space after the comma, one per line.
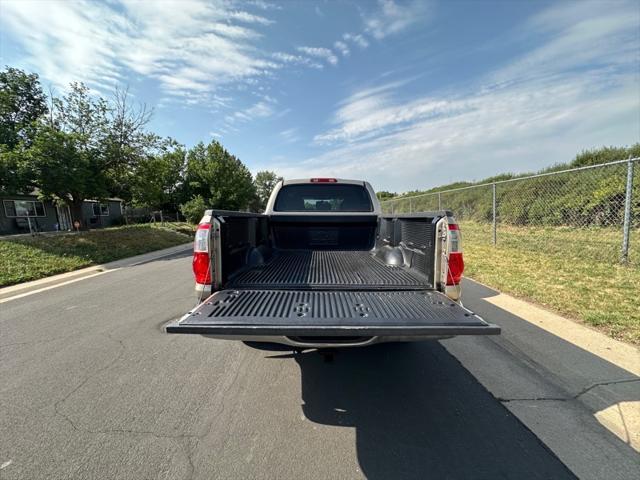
(592,211)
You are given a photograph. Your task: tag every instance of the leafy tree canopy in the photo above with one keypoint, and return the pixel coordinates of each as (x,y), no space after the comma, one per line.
(265,182)
(60,169)
(158,177)
(220,178)
(21,104)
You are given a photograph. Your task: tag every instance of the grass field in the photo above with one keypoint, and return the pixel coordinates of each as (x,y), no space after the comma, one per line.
(29,258)
(572,271)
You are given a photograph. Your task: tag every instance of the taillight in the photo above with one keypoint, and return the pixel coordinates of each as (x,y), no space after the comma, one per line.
(455,260)
(324,180)
(201,268)
(201,260)
(456,268)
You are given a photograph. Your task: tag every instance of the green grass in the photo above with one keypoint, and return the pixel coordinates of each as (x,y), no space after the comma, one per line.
(180,227)
(29,258)
(572,271)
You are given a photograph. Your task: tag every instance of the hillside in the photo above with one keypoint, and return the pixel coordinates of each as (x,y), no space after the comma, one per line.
(589,198)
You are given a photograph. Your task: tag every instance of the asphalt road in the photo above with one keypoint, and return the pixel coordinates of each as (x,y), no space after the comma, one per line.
(91,387)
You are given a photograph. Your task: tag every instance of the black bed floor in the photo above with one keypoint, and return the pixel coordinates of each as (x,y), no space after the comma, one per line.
(301,269)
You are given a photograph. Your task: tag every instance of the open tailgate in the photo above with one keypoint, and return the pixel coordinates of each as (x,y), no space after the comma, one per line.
(330,313)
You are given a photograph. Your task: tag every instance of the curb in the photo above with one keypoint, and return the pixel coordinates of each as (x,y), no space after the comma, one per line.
(75,275)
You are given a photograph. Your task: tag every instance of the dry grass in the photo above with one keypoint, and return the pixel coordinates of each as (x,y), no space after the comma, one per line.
(574,272)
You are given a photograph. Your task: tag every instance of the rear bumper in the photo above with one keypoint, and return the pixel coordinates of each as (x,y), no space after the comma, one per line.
(320,343)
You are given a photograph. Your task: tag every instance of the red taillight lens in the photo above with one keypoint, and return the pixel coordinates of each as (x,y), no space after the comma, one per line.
(201,261)
(201,268)
(324,180)
(456,268)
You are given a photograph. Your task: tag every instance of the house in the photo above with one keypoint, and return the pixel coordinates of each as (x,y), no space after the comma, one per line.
(26,213)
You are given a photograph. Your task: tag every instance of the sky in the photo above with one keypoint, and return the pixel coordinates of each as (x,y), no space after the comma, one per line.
(405,94)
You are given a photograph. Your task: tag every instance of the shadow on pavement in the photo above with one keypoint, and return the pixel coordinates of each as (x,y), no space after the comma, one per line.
(419,414)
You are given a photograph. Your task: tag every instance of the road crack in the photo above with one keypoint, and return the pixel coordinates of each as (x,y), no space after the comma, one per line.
(602,384)
(569,398)
(533,399)
(56,406)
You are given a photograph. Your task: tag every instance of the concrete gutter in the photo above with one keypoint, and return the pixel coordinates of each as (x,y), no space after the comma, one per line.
(28,288)
(575,388)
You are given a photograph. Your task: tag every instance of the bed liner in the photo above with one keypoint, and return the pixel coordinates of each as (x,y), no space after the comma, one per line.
(318,269)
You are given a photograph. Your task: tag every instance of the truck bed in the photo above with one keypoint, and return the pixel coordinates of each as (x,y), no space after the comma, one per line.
(321,269)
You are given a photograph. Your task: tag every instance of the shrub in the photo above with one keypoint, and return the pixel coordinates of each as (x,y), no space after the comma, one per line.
(194,209)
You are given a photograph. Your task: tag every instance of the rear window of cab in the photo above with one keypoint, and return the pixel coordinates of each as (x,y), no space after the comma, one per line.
(323,198)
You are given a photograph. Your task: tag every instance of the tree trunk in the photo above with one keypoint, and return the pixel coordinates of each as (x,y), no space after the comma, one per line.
(76,214)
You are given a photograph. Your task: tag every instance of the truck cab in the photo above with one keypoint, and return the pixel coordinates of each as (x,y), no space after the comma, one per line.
(324,267)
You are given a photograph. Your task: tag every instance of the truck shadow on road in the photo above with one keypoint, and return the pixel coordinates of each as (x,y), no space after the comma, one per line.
(418,413)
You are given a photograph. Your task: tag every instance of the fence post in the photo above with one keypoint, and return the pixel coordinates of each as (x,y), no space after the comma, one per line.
(624,258)
(493,188)
(439,201)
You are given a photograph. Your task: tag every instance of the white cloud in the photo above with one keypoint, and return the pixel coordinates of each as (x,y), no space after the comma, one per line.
(578,35)
(288,58)
(261,109)
(249,18)
(262,5)
(357,39)
(532,112)
(192,48)
(391,18)
(342,47)
(320,52)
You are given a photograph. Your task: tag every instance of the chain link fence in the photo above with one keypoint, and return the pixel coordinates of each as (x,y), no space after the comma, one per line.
(593,210)
(133,215)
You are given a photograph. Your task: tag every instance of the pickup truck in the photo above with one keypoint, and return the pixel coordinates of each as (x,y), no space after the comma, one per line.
(323,267)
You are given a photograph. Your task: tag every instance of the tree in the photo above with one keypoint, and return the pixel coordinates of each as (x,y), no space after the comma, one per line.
(265,182)
(11,176)
(21,104)
(87,148)
(220,178)
(59,166)
(127,143)
(66,161)
(158,177)
(84,116)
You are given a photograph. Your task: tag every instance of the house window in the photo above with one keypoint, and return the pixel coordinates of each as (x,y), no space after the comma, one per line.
(100,209)
(23,208)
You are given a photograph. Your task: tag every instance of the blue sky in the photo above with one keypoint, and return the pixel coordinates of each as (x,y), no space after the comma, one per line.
(406,94)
